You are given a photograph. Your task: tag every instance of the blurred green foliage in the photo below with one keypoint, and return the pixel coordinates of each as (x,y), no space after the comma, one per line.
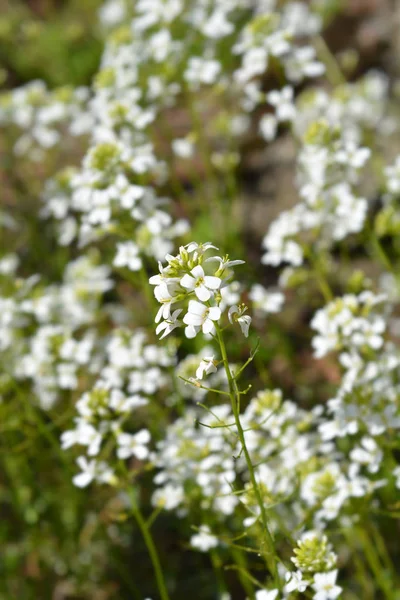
(57,41)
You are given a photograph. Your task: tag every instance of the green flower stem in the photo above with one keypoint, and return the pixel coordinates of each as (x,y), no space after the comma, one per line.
(151,548)
(216,565)
(320,276)
(235,402)
(381,546)
(240,560)
(361,573)
(382,256)
(375,564)
(334,73)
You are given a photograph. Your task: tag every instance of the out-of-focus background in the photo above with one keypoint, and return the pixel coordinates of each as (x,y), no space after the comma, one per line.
(49,529)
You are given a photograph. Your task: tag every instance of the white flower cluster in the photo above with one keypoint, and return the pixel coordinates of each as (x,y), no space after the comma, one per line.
(315,561)
(185,284)
(140,75)
(351,323)
(393,177)
(365,408)
(48,333)
(353,108)
(196,466)
(105,197)
(54,361)
(323,467)
(272,35)
(331,129)
(107,410)
(190,365)
(367,400)
(196,469)
(265,301)
(39,113)
(329,167)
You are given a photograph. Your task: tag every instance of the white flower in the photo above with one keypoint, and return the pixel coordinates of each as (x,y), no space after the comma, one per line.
(9,263)
(266,595)
(255,62)
(84,434)
(91,470)
(351,155)
(301,63)
(191,331)
(393,177)
(112,12)
(369,454)
(202,316)
(199,249)
(217,26)
(325,586)
(88,472)
(133,445)
(236,314)
(128,256)
(170,324)
(265,301)
(202,71)
(204,540)
(169,497)
(224,264)
(295,582)
(396,474)
(183,147)
(268,126)
(282,101)
(207,366)
(202,285)
(163,294)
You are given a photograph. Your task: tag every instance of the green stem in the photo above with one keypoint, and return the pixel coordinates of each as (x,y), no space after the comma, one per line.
(240,559)
(383,551)
(382,256)
(361,572)
(235,402)
(148,540)
(333,71)
(216,565)
(320,276)
(375,564)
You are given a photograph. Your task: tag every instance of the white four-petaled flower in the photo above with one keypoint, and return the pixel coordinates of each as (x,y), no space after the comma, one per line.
(128,256)
(207,366)
(133,444)
(236,314)
(199,283)
(202,316)
(266,594)
(169,324)
(325,586)
(204,540)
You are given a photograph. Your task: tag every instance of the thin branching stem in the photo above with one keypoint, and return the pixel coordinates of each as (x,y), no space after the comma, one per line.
(272,558)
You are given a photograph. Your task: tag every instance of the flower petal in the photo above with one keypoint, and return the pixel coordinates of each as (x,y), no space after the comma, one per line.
(190,332)
(208,326)
(213,283)
(188,282)
(214,313)
(202,293)
(191,319)
(197,271)
(83,479)
(197,308)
